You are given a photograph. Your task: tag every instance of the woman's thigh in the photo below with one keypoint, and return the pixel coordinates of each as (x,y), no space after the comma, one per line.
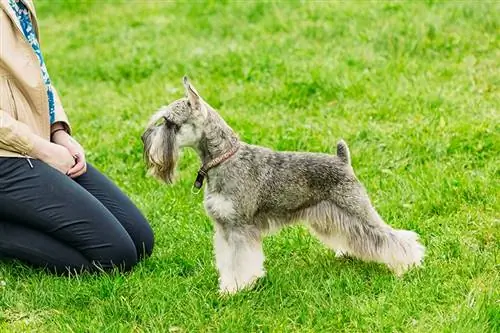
(46,200)
(121,207)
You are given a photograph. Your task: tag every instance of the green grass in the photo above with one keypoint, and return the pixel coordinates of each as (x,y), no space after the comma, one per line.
(413,87)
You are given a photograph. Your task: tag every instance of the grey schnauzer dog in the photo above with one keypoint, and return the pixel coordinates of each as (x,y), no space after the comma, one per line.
(251,190)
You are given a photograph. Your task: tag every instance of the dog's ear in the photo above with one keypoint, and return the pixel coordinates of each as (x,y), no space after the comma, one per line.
(191,94)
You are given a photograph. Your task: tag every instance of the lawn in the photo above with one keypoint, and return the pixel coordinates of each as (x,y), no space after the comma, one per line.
(414,89)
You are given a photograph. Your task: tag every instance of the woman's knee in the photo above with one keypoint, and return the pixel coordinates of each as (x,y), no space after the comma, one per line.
(144,241)
(121,255)
(126,256)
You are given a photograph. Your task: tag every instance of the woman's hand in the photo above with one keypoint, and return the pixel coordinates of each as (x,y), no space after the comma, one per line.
(62,138)
(54,155)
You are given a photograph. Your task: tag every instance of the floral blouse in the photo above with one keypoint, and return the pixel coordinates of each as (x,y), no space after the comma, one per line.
(23,16)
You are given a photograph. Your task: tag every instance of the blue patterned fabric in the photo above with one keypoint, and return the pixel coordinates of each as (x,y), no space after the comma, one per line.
(23,16)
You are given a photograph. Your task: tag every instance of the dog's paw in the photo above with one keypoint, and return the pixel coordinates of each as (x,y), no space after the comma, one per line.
(341,253)
(232,287)
(228,290)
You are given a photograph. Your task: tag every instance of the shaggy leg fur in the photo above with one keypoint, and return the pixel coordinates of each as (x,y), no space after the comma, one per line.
(239,258)
(333,241)
(366,238)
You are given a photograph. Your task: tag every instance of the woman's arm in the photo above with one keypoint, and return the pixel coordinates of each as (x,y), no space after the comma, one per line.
(15,136)
(61,119)
(61,135)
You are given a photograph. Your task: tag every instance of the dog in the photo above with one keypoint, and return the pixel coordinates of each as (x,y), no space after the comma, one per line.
(251,191)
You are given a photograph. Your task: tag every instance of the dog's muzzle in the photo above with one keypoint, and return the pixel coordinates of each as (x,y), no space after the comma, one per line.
(160,152)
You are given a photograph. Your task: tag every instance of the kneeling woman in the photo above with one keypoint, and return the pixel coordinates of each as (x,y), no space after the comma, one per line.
(56,211)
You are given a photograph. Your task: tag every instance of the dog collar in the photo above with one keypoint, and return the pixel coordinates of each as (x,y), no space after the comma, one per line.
(202,172)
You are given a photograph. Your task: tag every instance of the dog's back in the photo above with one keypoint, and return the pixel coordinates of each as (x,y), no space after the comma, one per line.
(266,184)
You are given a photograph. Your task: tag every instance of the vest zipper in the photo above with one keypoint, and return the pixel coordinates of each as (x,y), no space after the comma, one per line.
(29,162)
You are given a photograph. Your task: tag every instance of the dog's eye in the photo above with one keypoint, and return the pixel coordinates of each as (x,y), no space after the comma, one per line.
(171,124)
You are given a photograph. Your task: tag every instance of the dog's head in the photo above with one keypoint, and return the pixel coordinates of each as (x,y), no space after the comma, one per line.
(175,126)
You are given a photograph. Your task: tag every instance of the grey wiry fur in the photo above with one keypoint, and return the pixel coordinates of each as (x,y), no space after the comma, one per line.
(258,190)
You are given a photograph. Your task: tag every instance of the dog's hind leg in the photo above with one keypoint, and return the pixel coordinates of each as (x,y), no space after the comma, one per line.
(319,219)
(371,239)
(359,231)
(335,242)
(239,257)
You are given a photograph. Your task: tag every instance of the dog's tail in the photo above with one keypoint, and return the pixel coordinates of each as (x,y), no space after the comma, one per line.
(343,152)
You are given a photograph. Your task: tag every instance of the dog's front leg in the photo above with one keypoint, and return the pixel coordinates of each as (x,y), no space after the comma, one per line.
(239,256)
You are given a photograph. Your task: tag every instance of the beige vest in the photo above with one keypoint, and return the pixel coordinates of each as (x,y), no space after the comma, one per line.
(24,107)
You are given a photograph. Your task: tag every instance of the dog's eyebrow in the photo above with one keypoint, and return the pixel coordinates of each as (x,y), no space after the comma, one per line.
(171,118)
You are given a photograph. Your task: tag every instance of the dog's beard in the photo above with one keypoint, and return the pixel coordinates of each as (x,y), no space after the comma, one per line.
(161,152)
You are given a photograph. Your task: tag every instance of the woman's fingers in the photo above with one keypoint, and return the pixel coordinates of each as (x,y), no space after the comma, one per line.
(79,168)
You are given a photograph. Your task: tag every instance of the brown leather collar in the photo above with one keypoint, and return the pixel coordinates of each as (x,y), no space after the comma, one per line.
(202,172)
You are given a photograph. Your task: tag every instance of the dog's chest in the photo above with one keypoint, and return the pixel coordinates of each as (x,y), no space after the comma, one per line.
(219,206)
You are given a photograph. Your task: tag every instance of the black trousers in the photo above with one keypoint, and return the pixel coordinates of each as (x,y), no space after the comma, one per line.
(52,221)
